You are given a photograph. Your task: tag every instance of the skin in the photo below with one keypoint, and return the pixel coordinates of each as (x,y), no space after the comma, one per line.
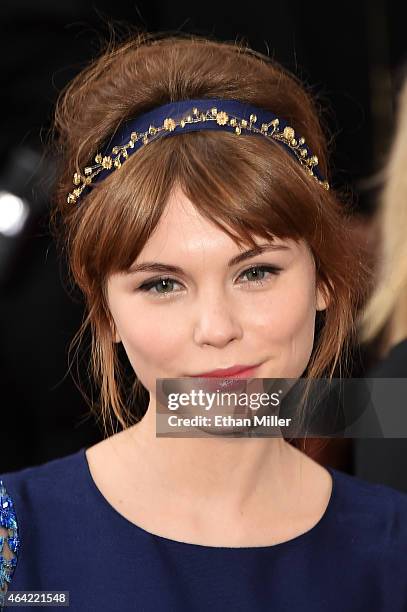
(215,491)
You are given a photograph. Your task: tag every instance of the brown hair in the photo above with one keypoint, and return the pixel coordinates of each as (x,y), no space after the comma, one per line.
(245,185)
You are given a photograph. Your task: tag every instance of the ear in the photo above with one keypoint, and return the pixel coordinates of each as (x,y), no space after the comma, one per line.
(322,297)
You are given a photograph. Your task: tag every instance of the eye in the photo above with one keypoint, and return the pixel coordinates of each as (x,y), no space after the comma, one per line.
(161,283)
(166,283)
(273,270)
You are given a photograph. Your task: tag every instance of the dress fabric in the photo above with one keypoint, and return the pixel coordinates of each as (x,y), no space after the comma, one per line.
(72,539)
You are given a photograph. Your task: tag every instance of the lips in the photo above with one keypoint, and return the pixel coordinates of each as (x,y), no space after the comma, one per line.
(239,371)
(227,379)
(213,384)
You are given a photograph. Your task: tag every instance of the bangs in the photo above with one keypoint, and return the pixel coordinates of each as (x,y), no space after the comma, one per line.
(245,185)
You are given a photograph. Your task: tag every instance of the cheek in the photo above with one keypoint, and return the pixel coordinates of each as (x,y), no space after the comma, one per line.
(150,339)
(287,326)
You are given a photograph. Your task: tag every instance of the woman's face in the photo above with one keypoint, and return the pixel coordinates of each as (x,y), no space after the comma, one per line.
(211,314)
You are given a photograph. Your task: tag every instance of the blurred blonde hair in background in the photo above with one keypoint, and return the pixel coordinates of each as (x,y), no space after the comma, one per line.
(385,311)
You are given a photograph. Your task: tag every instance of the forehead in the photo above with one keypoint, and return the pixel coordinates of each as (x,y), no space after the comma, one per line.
(183,230)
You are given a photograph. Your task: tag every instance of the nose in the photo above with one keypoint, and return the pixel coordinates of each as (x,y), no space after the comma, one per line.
(217,321)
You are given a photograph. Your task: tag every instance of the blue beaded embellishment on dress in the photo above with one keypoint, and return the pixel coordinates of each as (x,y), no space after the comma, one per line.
(8,520)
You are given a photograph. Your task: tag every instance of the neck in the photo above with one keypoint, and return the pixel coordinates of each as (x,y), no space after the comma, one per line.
(214,472)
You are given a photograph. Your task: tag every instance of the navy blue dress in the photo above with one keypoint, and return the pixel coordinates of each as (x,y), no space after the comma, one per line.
(72,539)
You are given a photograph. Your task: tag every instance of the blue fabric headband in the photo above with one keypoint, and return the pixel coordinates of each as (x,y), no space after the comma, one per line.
(192,115)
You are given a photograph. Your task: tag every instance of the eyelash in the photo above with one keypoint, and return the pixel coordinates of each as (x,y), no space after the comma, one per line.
(146,287)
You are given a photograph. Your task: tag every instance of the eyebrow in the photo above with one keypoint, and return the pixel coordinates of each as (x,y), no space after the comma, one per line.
(151,266)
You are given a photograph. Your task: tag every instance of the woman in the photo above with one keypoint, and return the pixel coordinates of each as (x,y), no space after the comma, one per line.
(383,321)
(202,232)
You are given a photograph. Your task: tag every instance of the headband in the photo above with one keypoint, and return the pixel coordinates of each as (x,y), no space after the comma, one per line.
(188,116)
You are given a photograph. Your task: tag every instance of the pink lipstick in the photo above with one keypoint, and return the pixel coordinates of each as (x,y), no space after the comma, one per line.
(237,371)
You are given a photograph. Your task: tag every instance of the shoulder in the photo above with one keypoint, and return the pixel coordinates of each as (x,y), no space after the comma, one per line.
(372,517)
(44,493)
(9,541)
(47,478)
(37,504)
(25,499)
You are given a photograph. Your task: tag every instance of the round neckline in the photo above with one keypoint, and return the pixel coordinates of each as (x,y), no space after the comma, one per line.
(297,540)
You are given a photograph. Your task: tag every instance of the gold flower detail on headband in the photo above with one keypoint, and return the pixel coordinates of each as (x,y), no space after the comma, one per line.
(270,130)
(169,124)
(221,118)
